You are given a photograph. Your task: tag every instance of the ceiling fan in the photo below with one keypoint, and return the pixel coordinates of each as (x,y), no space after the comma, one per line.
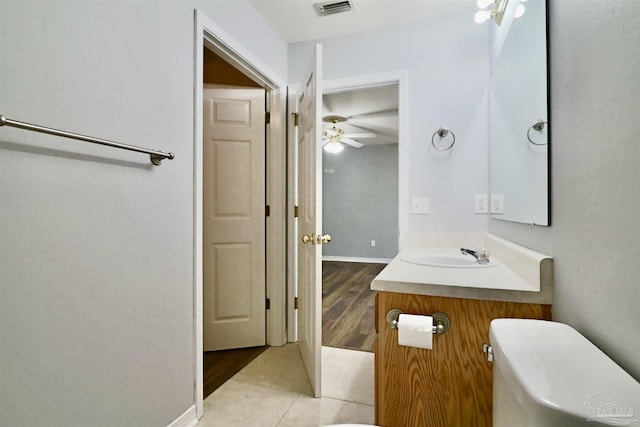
(334,138)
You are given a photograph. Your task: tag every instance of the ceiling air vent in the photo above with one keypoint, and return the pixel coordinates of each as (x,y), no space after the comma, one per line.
(330,8)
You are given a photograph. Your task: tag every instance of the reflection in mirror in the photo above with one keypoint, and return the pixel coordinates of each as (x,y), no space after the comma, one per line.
(360,173)
(518,118)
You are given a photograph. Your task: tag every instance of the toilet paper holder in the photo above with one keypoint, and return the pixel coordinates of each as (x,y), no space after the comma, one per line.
(441,321)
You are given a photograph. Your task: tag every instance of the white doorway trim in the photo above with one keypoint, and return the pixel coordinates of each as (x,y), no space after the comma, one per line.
(209,34)
(401,78)
(337,85)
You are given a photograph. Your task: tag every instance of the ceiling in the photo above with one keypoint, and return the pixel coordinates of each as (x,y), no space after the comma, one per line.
(373,109)
(367,110)
(297,20)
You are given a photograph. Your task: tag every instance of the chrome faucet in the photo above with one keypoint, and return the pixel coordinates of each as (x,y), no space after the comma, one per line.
(481,256)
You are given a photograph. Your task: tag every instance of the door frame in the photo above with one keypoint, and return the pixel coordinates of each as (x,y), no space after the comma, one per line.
(399,77)
(208,34)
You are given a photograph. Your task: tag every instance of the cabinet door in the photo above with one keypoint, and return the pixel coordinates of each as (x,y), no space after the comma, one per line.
(450,385)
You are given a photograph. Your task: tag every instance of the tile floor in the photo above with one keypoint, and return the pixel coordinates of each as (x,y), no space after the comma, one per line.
(274,390)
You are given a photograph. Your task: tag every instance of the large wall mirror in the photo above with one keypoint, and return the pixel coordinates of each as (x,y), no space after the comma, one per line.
(518,116)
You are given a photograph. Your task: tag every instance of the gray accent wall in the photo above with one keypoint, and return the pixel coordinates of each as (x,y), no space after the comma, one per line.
(360,201)
(594,235)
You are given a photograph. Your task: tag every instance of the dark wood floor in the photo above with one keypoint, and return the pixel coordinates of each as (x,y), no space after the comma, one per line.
(347,320)
(221,365)
(348,305)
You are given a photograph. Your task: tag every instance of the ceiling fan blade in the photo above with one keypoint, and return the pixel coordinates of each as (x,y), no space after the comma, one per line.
(360,135)
(378,129)
(352,142)
(380,113)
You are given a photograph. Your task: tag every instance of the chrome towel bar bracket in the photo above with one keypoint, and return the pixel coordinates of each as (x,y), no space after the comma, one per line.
(441,321)
(155,156)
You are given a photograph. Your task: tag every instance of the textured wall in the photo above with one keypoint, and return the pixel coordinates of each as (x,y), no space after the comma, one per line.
(96,244)
(595,179)
(360,201)
(447,64)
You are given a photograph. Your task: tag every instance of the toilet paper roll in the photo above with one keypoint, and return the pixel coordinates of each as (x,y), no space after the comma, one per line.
(415,331)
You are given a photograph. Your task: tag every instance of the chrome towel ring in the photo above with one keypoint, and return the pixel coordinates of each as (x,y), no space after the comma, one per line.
(442,133)
(538,125)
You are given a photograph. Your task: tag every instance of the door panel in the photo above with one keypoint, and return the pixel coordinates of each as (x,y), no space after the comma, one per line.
(234,218)
(310,221)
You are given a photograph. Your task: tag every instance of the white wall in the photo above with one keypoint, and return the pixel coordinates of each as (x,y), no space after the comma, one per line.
(442,92)
(96,245)
(594,236)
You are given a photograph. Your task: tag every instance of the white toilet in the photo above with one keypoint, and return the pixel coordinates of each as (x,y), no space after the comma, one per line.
(547,374)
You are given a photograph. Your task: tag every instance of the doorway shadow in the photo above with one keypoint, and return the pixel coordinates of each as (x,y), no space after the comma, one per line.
(220,366)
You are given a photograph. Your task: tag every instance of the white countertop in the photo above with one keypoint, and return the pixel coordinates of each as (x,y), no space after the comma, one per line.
(496,283)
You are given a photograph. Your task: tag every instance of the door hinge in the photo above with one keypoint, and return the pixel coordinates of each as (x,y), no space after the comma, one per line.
(296,211)
(268,304)
(296,119)
(295,303)
(268,210)
(267,117)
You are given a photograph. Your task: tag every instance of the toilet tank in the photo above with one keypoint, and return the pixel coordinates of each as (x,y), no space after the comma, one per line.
(547,374)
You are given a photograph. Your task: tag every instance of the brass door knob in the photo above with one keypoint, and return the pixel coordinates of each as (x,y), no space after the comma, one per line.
(325,239)
(309,238)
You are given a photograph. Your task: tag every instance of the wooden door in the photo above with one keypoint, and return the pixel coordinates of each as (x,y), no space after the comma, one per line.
(310,221)
(234,218)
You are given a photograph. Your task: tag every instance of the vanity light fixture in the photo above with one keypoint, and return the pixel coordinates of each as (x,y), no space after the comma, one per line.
(497,13)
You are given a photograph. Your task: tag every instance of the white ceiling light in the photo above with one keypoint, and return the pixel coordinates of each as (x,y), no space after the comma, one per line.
(333,147)
(497,13)
(482,16)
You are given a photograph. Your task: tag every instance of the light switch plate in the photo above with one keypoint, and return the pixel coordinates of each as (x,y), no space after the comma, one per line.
(420,205)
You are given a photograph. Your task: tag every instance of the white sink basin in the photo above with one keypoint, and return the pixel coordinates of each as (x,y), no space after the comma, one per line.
(453,260)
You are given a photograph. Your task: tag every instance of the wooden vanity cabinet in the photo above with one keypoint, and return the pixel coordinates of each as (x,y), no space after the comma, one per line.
(450,385)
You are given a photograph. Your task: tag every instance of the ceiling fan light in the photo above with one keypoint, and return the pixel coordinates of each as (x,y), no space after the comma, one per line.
(333,147)
(519,11)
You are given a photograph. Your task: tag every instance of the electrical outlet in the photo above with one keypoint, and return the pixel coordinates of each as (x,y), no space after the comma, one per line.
(420,205)
(482,204)
(373,243)
(497,203)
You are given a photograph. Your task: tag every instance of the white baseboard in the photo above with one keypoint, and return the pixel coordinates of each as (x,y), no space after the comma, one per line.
(356,259)
(188,419)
